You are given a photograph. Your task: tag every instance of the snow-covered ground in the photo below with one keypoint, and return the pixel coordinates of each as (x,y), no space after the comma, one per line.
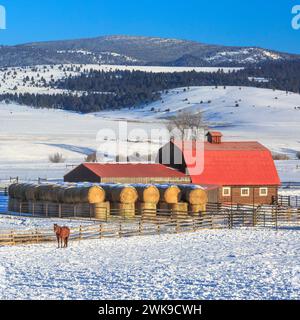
(10,222)
(289,171)
(219,264)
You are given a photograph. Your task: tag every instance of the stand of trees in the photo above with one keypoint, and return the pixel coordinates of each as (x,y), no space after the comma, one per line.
(119,89)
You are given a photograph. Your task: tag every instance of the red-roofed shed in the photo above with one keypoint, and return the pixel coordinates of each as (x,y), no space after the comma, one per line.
(126,173)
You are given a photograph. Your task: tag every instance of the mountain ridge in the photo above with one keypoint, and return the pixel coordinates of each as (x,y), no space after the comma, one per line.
(137,50)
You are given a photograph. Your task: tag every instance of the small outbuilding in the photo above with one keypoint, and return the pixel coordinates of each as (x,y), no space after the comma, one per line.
(126,173)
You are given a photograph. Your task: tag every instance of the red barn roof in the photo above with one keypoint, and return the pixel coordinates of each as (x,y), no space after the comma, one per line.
(234,164)
(140,170)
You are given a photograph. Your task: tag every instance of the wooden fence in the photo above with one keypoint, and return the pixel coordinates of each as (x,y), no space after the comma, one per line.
(287,201)
(164,222)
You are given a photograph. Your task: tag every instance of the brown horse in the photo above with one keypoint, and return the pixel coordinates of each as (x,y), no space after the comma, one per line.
(62,235)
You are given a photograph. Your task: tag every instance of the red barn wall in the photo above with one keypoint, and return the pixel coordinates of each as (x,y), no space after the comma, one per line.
(254,196)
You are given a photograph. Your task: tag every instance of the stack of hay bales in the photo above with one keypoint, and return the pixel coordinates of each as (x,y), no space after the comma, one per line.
(170,199)
(35,207)
(91,202)
(88,200)
(17,198)
(148,199)
(83,201)
(59,200)
(43,205)
(196,197)
(123,199)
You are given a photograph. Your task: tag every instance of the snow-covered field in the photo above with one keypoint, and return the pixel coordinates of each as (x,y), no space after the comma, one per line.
(220,264)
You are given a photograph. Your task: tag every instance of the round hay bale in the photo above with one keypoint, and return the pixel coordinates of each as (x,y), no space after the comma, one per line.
(169,194)
(31,192)
(179,209)
(69,195)
(194,195)
(197,209)
(15,205)
(44,192)
(91,194)
(102,211)
(11,190)
(147,193)
(126,210)
(146,209)
(11,203)
(125,194)
(19,191)
(60,193)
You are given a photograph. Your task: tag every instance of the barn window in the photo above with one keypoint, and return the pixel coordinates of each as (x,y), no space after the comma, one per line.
(263,192)
(245,192)
(226,192)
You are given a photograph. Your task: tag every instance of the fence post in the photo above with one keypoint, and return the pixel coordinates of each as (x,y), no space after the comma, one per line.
(80,232)
(37,235)
(59,210)
(158,228)
(276,218)
(229,220)
(12,235)
(177,226)
(100,231)
(120,230)
(194,224)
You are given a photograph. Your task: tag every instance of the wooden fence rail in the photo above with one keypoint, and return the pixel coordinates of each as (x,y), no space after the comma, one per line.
(149,224)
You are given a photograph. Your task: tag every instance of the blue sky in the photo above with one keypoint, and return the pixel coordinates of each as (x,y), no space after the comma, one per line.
(265,23)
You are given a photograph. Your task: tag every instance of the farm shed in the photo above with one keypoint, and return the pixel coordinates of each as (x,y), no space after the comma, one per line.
(126,173)
(245,171)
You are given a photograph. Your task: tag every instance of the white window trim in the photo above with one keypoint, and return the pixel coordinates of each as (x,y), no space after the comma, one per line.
(265,194)
(245,195)
(223,192)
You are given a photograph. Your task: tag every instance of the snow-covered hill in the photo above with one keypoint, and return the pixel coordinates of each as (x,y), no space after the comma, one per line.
(38,79)
(28,136)
(269,116)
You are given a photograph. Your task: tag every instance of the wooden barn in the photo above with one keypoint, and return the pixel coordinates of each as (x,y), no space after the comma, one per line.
(126,173)
(245,171)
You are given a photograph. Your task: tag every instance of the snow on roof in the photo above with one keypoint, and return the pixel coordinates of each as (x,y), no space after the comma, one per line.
(132,170)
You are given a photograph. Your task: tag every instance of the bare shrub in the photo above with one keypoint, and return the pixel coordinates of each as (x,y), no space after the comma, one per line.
(186,121)
(91,157)
(280,156)
(298,155)
(56,158)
